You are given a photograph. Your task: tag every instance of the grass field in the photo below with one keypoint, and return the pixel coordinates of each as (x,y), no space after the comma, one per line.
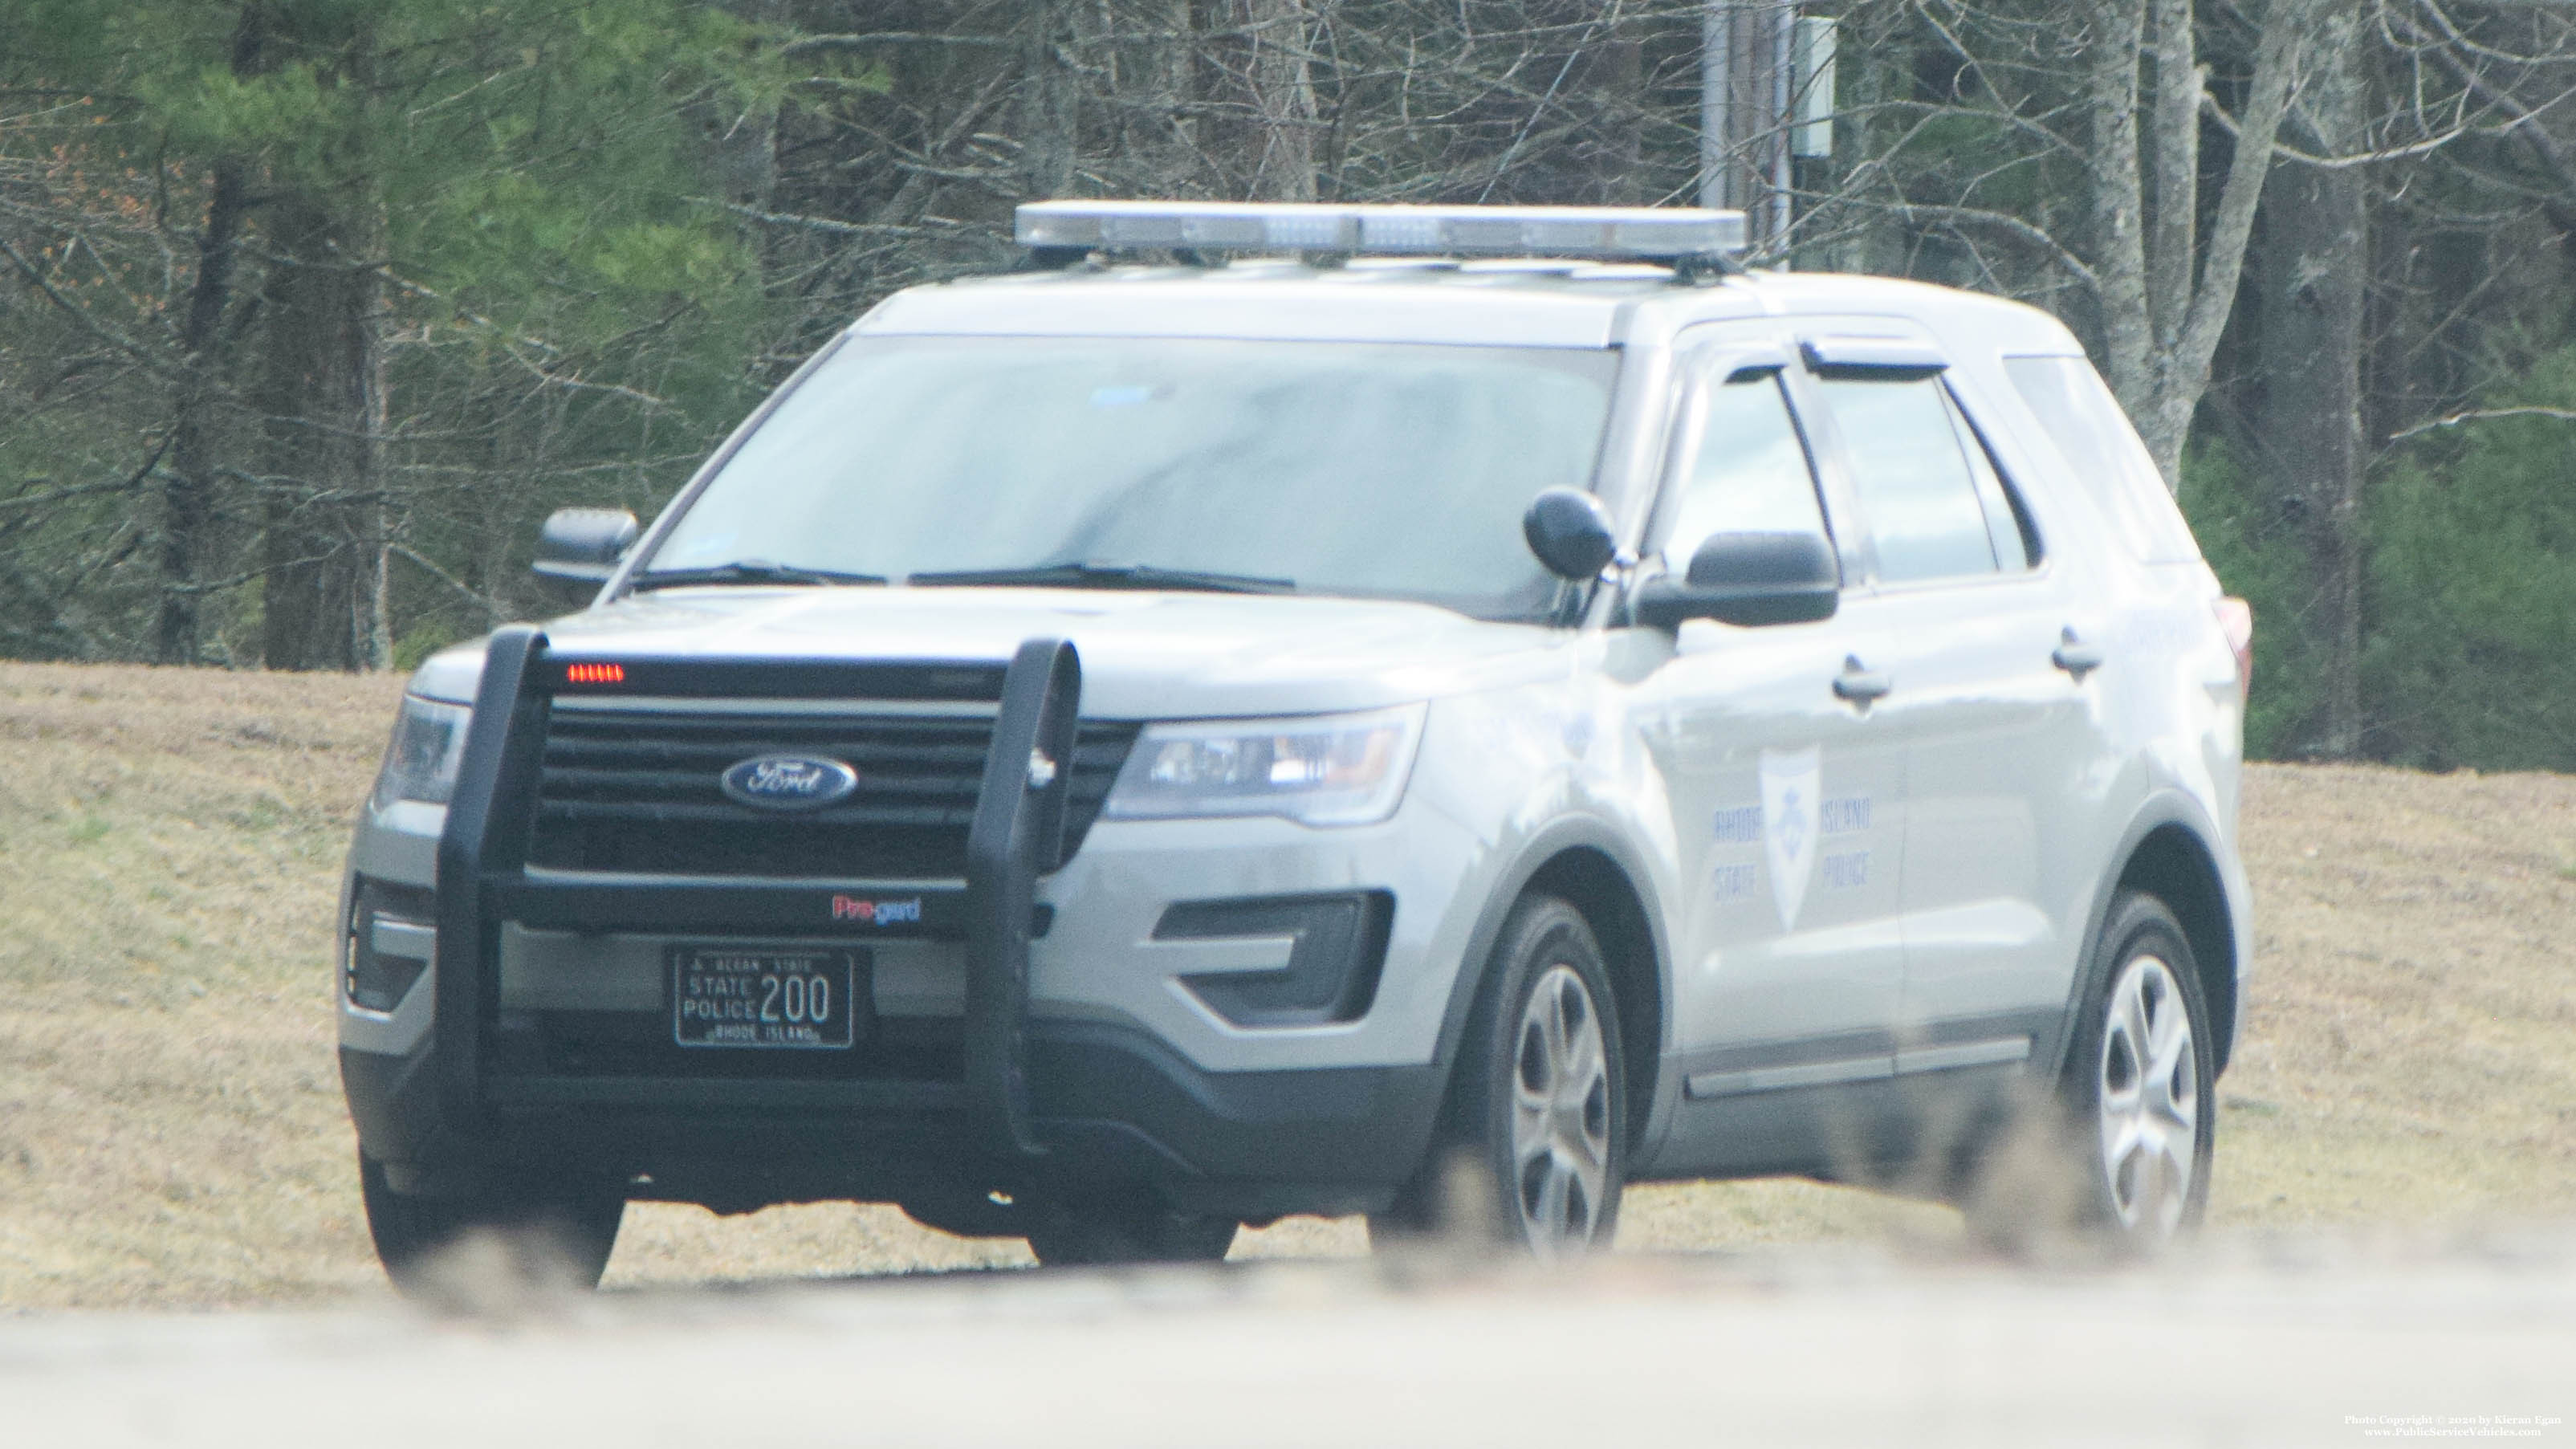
(171,1130)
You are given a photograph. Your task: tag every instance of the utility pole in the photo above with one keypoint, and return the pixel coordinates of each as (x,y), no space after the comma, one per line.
(1766,96)
(1716,70)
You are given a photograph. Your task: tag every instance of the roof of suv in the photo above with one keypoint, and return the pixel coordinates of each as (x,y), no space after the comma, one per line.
(1506,303)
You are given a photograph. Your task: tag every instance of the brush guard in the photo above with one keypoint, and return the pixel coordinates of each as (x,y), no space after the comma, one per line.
(1016,836)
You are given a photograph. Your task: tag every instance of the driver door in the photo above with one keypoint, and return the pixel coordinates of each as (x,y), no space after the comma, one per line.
(1786,793)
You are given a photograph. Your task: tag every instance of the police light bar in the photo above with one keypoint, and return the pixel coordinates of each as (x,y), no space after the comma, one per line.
(1656,233)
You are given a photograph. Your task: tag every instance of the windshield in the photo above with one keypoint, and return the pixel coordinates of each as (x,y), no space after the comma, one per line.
(1390,471)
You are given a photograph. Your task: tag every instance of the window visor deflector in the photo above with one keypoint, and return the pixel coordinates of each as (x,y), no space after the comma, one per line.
(1891,358)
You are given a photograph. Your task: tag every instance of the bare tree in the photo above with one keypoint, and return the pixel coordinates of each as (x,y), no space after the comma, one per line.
(2313,288)
(2087,168)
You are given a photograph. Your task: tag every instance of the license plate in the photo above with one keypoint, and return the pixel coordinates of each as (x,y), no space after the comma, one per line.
(726,996)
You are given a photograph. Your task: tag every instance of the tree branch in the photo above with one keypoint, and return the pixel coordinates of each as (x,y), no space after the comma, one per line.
(2275,77)
(2480,415)
(1997,221)
(486,602)
(827,224)
(141,355)
(820,44)
(2283,150)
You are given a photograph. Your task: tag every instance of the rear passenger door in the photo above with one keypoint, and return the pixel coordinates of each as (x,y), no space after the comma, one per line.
(2003,743)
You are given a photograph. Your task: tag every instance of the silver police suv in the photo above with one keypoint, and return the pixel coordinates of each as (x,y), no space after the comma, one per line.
(1151,743)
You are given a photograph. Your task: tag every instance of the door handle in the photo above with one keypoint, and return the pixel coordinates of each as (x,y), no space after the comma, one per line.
(2075,656)
(1858,684)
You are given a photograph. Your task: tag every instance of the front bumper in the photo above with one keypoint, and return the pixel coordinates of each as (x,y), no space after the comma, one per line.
(445,1091)
(1109,1105)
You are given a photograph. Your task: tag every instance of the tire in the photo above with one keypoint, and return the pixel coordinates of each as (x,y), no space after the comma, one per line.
(1093,1234)
(1538,1106)
(553,1235)
(2140,1100)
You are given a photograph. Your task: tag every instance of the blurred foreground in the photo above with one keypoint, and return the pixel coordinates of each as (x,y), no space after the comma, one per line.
(2247,1341)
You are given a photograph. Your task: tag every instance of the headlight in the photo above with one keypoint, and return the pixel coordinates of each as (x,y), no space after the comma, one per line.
(429,743)
(1343,769)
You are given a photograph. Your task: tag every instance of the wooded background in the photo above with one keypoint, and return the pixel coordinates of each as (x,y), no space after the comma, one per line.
(310,310)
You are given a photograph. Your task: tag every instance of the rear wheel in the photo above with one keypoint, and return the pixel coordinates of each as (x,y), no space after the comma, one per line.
(1540,1103)
(552,1235)
(2142,1120)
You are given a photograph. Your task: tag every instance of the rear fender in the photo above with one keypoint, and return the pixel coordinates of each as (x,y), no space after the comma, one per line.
(2216,924)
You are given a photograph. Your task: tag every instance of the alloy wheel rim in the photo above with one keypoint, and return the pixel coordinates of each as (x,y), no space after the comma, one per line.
(1560,1115)
(2149,1091)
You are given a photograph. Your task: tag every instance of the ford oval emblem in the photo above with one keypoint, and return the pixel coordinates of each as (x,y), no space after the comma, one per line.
(789,782)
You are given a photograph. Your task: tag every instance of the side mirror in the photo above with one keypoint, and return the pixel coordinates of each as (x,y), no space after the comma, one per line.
(1748,578)
(583,545)
(1570,533)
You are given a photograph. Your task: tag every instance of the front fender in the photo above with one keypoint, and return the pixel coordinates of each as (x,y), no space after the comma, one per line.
(1590,787)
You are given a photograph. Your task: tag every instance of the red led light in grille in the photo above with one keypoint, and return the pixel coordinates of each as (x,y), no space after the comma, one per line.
(594,674)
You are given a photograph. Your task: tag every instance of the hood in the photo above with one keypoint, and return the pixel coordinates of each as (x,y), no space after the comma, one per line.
(1145,655)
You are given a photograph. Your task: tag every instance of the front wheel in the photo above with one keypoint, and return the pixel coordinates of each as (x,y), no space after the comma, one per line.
(552,1235)
(1540,1100)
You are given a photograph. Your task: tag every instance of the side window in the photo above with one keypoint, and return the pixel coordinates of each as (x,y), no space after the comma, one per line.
(1750,472)
(2103,454)
(1914,479)
(2008,524)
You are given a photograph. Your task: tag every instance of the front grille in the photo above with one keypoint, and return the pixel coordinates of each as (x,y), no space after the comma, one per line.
(639,791)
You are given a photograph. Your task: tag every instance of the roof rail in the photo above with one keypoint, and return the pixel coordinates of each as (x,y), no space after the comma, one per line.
(1691,238)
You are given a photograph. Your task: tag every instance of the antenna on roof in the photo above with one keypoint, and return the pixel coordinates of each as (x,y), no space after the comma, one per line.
(1695,240)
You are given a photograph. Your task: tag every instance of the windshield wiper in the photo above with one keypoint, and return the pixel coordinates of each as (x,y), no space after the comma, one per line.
(746,571)
(1076,574)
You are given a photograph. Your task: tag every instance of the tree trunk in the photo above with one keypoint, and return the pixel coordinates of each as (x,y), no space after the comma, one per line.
(1148,83)
(2174,131)
(1174,87)
(187,497)
(1615,87)
(2315,281)
(2118,205)
(746,143)
(1875,64)
(319,389)
(2166,283)
(1281,83)
(1744,147)
(321,399)
(1049,102)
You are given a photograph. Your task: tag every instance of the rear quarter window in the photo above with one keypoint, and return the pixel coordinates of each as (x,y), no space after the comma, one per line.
(2103,455)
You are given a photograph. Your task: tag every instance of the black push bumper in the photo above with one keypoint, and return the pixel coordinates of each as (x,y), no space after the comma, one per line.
(1031,1106)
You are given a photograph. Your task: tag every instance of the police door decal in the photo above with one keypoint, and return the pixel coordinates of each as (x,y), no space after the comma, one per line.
(1791,781)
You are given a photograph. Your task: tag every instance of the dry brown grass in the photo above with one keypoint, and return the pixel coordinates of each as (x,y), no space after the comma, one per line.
(171,1131)
(170,1128)
(2408,1043)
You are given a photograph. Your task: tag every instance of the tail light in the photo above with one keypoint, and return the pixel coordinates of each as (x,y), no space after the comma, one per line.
(2236,617)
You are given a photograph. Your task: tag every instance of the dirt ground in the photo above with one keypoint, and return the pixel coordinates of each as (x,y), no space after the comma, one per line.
(171,1133)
